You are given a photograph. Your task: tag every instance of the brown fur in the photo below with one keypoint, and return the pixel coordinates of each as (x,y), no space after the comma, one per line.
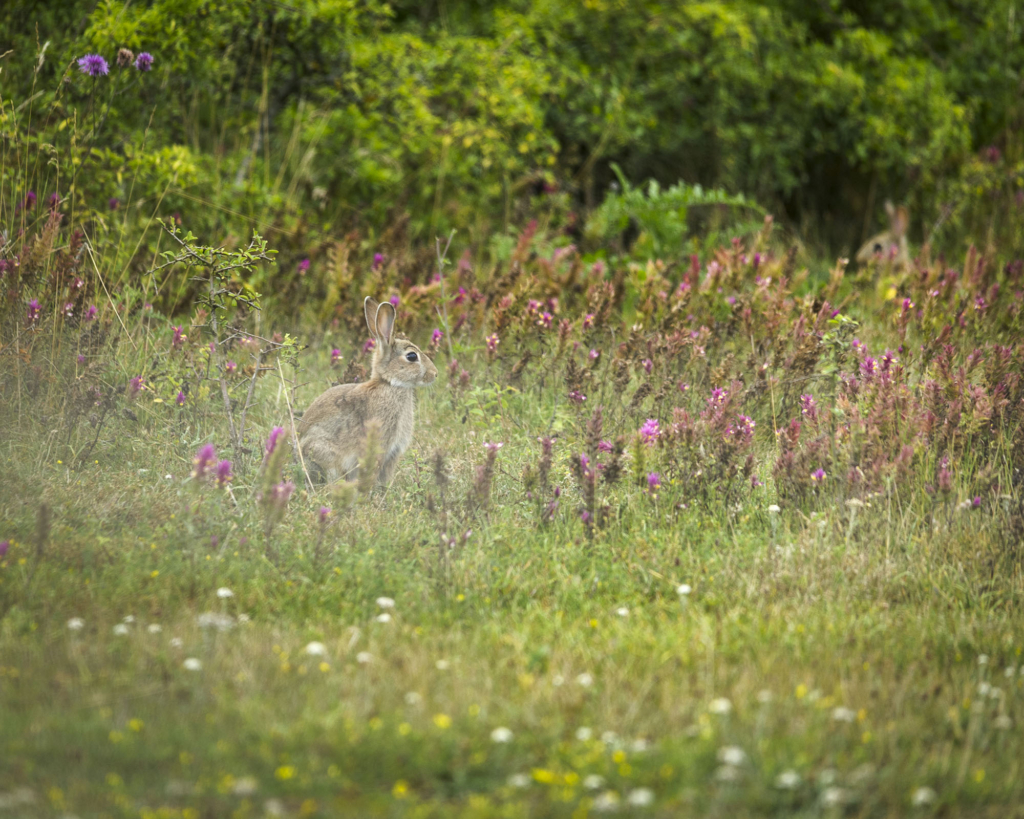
(332,431)
(895,236)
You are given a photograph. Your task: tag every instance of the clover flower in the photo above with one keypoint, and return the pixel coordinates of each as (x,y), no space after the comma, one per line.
(93,65)
(144,62)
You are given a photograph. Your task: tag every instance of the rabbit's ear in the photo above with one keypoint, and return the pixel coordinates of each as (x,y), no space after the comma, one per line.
(386,322)
(370,311)
(901,221)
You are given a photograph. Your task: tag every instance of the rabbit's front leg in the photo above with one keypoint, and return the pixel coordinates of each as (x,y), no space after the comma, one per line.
(387,470)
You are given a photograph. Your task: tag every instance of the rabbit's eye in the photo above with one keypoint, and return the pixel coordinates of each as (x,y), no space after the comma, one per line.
(411,356)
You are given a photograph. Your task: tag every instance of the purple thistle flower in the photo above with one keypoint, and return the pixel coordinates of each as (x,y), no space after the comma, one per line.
(303,267)
(976,503)
(204,461)
(33,310)
(93,65)
(90,313)
(818,476)
(134,386)
(275,434)
(492,342)
(336,357)
(223,473)
(230,368)
(650,431)
(144,62)
(180,400)
(394,301)
(81,359)
(378,260)
(323,515)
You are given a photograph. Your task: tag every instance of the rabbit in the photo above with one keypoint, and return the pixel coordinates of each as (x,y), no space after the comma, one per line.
(895,236)
(332,431)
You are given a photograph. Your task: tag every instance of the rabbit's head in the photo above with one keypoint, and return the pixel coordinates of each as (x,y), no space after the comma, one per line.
(397,361)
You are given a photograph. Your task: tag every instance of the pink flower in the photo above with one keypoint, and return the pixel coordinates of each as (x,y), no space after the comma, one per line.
(275,434)
(280,493)
(594,355)
(33,310)
(204,461)
(369,345)
(323,515)
(69,310)
(177,338)
(230,368)
(818,476)
(588,321)
(545,320)
(394,300)
(378,260)
(577,397)
(650,431)
(336,356)
(492,342)
(604,446)
(90,313)
(180,399)
(135,386)
(223,473)
(303,267)
(436,336)
(648,365)
(653,484)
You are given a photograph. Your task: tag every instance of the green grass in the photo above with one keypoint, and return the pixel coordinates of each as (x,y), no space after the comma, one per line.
(788,621)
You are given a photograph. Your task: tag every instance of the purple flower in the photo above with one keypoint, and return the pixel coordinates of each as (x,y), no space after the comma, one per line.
(280,493)
(394,300)
(868,367)
(809,407)
(93,65)
(648,365)
(436,336)
(493,448)
(134,386)
(69,310)
(303,267)
(604,446)
(976,503)
(90,313)
(113,203)
(4,546)
(378,260)
(577,397)
(492,342)
(594,355)
(144,62)
(369,345)
(53,200)
(653,484)
(28,202)
(650,431)
(588,321)
(33,310)
(204,461)
(275,434)
(230,368)
(336,356)
(223,473)
(177,338)
(81,359)
(545,320)
(818,476)
(180,400)
(585,517)
(323,515)
(743,429)
(718,396)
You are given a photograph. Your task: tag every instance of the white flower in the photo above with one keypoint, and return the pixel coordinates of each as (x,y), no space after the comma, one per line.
(995,693)
(363,657)
(224,593)
(593,782)
(129,618)
(154,628)
(316,649)
(245,786)
(732,755)
(622,611)
(442,665)
(787,780)
(833,797)
(727,773)
(720,705)
(983,689)
(176,642)
(641,797)
(606,802)
(584,734)
(501,735)
(639,745)
(609,737)
(585,679)
(923,796)
(383,617)
(1010,671)
(983,659)
(168,477)
(192,664)
(120,629)
(243,618)
(413,698)
(519,780)
(557,680)
(844,714)
(1002,722)
(764,696)
(827,777)
(683,589)
(76,624)
(774,509)
(215,619)
(385,602)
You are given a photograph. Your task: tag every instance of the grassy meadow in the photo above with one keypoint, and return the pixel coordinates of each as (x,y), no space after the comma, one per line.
(694,523)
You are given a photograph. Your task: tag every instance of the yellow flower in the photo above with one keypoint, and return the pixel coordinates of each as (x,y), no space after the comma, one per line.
(442,721)
(285,772)
(400,789)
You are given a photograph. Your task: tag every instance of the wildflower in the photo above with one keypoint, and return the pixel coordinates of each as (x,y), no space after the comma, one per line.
(204,461)
(808,407)
(76,624)
(378,260)
(113,203)
(607,802)
(90,313)
(519,780)
(275,434)
(922,796)
(787,780)
(833,797)
(868,367)
(385,602)
(545,320)
(69,310)
(640,797)
(369,345)
(492,342)
(33,310)
(493,447)
(364,657)
(177,642)
(53,200)
(383,618)
(144,62)
(720,706)
(588,321)
(436,336)
(653,484)
(976,503)
(593,782)
(120,629)
(442,665)
(501,735)
(134,386)
(303,267)
(192,664)
(336,357)
(585,679)
(280,493)
(93,65)
(177,338)
(154,628)
(622,611)
(323,515)
(577,397)
(594,355)
(224,593)
(650,431)
(818,475)
(844,714)
(124,57)
(732,755)
(215,620)
(774,509)
(315,649)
